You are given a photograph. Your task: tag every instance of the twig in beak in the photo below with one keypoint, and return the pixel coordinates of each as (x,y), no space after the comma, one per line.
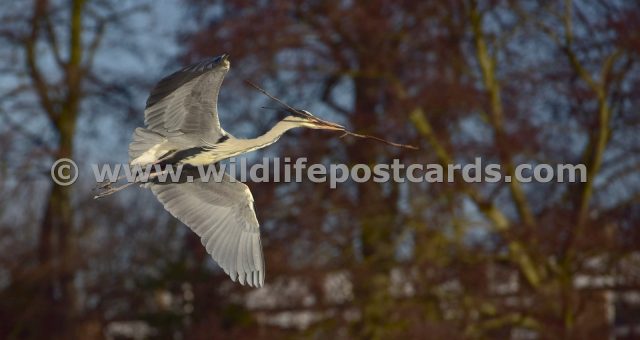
(406,146)
(270,96)
(345,132)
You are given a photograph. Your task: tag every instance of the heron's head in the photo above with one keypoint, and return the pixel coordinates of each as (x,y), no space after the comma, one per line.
(304,118)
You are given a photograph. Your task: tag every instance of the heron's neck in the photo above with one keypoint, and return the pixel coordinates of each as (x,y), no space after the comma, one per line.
(268,138)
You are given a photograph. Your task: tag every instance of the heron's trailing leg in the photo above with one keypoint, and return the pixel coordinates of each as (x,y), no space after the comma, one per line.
(109,184)
(112,190)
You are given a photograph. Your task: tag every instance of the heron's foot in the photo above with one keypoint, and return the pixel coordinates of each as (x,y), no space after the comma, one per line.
(109,190)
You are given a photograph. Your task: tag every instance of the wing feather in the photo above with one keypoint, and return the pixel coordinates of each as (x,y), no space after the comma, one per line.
(187,100)
(222,215)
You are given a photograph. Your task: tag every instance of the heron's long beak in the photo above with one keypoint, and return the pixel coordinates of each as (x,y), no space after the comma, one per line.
(323,124)
(317,122)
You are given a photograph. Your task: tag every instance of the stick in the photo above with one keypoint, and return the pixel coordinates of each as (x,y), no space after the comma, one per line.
(345,132)
(270,96)
(406,146)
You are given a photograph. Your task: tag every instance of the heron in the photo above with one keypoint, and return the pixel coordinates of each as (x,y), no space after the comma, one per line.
(182,128)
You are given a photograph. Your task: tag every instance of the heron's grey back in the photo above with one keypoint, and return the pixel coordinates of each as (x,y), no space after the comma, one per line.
(222,214)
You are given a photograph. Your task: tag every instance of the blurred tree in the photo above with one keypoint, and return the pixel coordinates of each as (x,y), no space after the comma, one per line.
(478,78)
(513,82)
(55,48)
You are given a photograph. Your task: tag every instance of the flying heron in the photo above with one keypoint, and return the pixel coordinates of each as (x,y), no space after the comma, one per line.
(182,128)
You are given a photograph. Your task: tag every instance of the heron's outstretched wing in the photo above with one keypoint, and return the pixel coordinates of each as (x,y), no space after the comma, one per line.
(187,100)
(222,215)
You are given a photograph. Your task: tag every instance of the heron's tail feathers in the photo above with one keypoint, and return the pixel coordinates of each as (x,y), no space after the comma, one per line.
(143,141)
